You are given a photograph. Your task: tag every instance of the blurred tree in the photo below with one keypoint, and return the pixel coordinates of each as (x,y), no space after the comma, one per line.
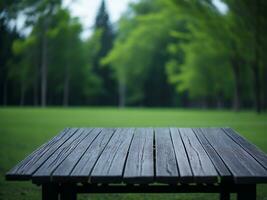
(24,67)
(205,18)
(190,69)
(39,12)
(66,70)
(166,52)
(201,72)
(67,65)
(7,36)
(94,81)
(102,28)
(251,20)
(139,55)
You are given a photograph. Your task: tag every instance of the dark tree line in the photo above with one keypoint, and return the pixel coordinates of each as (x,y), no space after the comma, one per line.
(53,65)
(173,53)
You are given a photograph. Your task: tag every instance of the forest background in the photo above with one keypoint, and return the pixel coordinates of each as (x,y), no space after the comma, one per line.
(161,53)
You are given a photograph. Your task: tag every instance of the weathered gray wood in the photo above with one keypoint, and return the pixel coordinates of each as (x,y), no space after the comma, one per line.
(30,164)
(202,167)
(38,152)
(242,165)
(213,155)
(184,167)
(110,165)
(166,166)
(47,168)
(64,169)
(85,165)
(249,147)
(170,155)
(139,167)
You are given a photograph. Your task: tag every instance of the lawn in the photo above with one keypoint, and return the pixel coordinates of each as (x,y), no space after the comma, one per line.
(24,129)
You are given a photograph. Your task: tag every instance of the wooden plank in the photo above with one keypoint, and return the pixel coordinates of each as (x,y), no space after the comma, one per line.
(254,151)
(202,167)
(213,155)
(16,171)
(110,165)
(241,164)
(32,162)
(85,165)
(185,171)
(139,167)
(46,169)
(166,166)
(64,169)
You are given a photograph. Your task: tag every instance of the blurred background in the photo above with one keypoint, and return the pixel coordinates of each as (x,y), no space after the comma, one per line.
(144,53)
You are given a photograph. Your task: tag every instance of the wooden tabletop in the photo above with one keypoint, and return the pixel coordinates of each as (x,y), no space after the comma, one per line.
(144,155)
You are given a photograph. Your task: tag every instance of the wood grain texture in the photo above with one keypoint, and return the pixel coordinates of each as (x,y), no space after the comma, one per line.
(166,166)
(110,165)
(64,169)
(243,166)
(31,163)
(139,166)
(254,151)
(144,155)
(84,167)
(44,172)
(186,175)
(225,174)
(202,167)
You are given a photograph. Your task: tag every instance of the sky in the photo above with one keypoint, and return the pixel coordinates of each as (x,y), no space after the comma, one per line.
(220,5)
(86,11)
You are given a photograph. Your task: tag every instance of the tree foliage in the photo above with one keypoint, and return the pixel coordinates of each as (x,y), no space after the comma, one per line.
(165,53)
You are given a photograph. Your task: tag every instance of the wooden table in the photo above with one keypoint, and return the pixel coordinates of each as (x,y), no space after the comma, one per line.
(145,160)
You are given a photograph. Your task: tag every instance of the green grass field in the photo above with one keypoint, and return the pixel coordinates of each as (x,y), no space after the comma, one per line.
(24,129)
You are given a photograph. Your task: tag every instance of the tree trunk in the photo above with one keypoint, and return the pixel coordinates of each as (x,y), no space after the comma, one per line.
(44,66)
(265,88)
(66,86)
(22,94)
(204,103)
(5,92)
(219,100)
(237,84)
(122,92)
(257,85)
(36,85)
(35,92)
(256,63)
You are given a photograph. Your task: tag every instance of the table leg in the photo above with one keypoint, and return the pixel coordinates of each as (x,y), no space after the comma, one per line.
(49,191)
(225,190)
(68,192)
(246,192)
(224,195)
